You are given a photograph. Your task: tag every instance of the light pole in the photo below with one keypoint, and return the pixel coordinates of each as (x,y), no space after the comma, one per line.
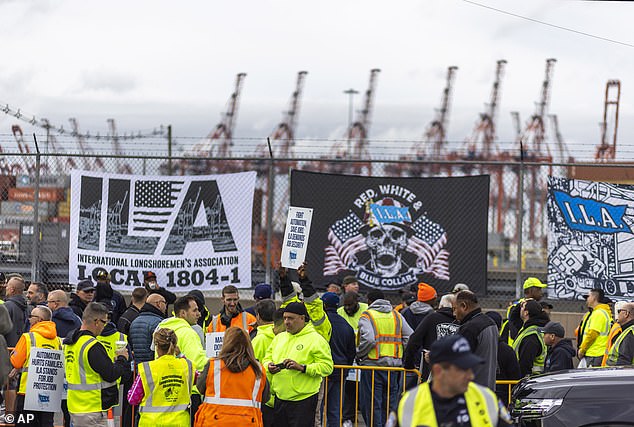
(351,93)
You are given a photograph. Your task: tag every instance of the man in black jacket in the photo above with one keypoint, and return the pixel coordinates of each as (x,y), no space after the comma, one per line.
(139,295)
(152,287)
(529,344)
(104,294)
(342,347)
(508,367)
(560,349)
(84,295)
(481,333)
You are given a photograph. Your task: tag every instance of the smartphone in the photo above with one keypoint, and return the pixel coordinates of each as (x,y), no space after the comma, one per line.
(280,365)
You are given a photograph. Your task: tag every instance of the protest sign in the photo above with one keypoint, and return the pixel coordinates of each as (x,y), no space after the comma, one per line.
(45,382)
(213,343)
(296,236)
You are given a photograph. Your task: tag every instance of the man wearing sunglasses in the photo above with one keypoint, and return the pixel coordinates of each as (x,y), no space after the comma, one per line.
(622,352)
(90,372)
(85,295)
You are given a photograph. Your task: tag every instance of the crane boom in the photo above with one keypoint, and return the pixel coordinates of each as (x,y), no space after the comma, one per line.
(359,129)
(285,130)
(606,150)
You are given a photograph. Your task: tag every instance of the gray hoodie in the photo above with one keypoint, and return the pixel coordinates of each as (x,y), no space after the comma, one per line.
(19,313)
(367,339)
(6,325)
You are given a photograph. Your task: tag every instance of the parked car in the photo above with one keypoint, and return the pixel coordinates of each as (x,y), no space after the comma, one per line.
(578,397)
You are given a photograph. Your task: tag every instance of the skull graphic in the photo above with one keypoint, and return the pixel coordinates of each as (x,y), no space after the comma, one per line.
(386,245)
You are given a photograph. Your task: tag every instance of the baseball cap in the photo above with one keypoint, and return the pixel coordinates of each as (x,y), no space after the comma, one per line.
(296,308)
(86,285)
(534,282)
(454,349)
(330,299)
(459,287)
(426,292)
(348,279)
(547,305)
(533,308)
(262,291)
(554,328)
(149,275)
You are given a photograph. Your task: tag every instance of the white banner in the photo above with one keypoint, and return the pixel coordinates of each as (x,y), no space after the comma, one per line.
(45,381)
(213,343)
(296,236)
(194,232)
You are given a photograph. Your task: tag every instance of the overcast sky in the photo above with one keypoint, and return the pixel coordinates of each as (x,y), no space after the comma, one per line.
(155,62)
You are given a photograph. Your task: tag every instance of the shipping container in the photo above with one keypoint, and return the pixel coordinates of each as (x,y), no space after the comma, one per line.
(27,194)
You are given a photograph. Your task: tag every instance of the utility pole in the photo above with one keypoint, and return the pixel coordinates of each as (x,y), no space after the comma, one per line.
(351,93)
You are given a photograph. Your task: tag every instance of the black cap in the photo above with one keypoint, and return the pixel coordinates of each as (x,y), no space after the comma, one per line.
(547,305)
(554,328)
(296,308)
(454,349)
(149,275)
(533,308)
(86,285)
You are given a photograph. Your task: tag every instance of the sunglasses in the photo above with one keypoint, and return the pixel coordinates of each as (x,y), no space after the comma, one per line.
(102,321)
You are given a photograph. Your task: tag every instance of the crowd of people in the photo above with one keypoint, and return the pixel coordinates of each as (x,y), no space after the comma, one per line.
(279,366)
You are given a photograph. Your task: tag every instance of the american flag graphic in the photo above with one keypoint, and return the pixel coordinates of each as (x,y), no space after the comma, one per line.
(154,202)
(345,241)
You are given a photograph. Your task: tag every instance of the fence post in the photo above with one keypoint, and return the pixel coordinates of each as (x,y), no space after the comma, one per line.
(169,149)
(520,223)
(35,245)
(269,211)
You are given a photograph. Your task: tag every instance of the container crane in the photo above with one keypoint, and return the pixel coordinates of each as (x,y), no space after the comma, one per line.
(61,168)
(358,131)
(24,148)
(86,151)
(562,148)
(606,150)
(121,164)
(219,142)
(517,125)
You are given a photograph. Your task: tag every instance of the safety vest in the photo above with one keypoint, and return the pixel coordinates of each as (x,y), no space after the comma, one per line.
(33,339)
(538,363)
(167,386)
(241,321)
(232,399)
(416,407)
(84,384)
(614,331)
(505,328)
(597,349)
(109,342)
(388,334)
(581,329)
(613,357)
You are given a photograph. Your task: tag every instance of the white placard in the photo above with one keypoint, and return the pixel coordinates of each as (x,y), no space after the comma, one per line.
(213,343)
(296,236)
(45,382)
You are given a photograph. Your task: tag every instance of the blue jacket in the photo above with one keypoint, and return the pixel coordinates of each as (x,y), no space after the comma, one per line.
(141,331)
(342,341)
(65,321)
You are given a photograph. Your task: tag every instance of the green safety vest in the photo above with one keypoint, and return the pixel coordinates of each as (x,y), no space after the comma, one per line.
(416,407)
(84,384)
(613,357)
(538,363)
(167,386)
(388,334)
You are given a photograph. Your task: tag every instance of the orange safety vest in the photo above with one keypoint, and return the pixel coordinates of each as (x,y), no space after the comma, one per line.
(232,399)
(388,334)
(245,321)
(614,332)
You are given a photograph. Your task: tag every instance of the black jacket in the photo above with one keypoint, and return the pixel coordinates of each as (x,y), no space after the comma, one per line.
(77,305)
(112,299)
(19,312)
(482,334)
(508,369)
(342,341)
(437,324)
(530,347)
(170,297)
(559,356)
(131,313)
(101,363)
(65,321)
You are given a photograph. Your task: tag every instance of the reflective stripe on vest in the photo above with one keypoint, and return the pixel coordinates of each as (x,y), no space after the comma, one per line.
(216,400)
(416,407)
(47,343)
(613,358)
(216,318)
(538,363)
(383,338)
(83,385)
(149,406)
(614,331)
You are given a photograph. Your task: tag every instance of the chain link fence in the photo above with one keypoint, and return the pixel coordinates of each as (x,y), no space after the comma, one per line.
(35,205)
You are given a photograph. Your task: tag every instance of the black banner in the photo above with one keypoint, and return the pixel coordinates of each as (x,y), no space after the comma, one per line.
(395,232)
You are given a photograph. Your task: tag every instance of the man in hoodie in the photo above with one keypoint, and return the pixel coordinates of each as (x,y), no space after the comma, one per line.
(137,302)
(424,305)
(151,285)
(205,316)
(597,327)
(232,313)
(142,328)
(529,345)
(343,350)
(108,296)
(438,324)
(481,333)
(37,293)
(560,350)
(261,292)
(84,295)
(16,304)
(90,372)
(63,316)
(297,360)
(383,334)
(42,334)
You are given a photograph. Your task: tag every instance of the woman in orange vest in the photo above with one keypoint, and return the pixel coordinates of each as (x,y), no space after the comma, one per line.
(234,385)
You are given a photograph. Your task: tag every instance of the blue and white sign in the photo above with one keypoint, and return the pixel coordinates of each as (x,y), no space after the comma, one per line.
(296,236)
(45,381)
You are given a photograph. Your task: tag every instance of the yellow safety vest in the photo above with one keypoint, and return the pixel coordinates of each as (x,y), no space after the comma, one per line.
(597,348)
(109,342)
(538,363)
(84,384)
(388,334)
(167,386)
(416,407)
(613,357)
(33,339)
